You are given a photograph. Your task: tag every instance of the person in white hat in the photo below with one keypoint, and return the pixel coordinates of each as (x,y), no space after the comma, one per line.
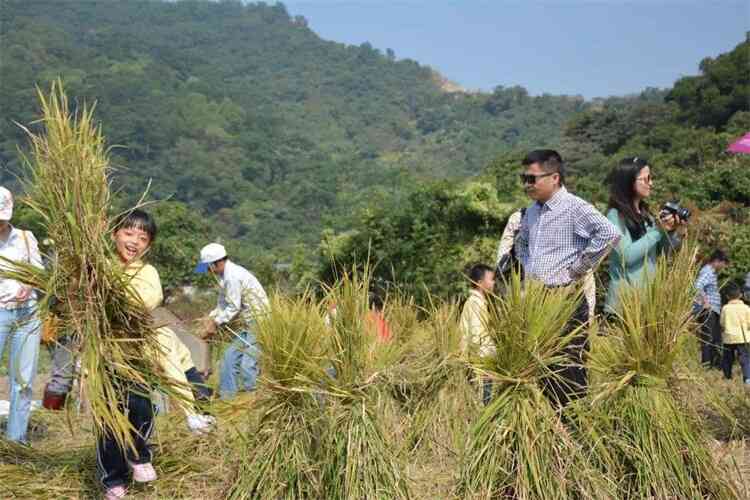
(241,300)
(19,324)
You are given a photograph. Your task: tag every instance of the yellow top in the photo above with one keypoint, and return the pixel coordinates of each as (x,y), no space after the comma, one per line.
(474,326)
(735,322)
(174,357)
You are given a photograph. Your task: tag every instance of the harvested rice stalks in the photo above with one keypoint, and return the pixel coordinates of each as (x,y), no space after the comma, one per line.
(68,187)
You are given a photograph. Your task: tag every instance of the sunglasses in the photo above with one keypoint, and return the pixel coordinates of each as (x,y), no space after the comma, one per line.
(531,178)
(647,179)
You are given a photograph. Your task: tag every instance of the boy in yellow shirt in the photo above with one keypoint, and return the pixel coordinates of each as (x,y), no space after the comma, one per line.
(735,326)
(475,340)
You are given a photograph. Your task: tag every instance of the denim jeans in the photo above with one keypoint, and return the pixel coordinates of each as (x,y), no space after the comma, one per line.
(63,366)
(21,328)
(240,362)
(487,389)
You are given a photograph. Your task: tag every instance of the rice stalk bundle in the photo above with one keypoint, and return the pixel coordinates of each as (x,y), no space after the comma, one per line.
(518,446)
(360,461)
(68,187)
(660,448)
(279,452)
(403,318)
(192,466)
(429,364)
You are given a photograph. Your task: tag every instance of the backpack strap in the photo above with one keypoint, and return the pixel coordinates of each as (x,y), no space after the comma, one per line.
(28,247)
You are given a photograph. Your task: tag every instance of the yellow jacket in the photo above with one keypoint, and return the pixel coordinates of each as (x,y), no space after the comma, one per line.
(174,357)
(735,322)
(474,326)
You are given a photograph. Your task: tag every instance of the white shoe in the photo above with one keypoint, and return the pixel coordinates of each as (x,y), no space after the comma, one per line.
(115,493)
(201,424)
(143,473)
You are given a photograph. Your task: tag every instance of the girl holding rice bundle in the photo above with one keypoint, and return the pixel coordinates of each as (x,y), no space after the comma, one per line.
(133,235)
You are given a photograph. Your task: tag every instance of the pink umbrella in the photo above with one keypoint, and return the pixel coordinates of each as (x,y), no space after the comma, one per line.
(741,146)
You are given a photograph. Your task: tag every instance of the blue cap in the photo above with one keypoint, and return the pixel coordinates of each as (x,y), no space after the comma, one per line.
(211,253)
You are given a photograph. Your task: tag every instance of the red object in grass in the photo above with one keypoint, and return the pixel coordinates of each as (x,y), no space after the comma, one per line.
(380,325)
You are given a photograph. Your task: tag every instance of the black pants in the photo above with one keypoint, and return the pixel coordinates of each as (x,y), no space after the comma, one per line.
(112,461)
(728,360)
(572,377)
(710,338)
(201,391)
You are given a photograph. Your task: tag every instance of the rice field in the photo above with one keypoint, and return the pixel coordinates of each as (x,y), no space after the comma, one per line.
(427,414)
(340,413)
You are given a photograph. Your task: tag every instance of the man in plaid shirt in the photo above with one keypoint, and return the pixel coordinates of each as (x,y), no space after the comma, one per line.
(562,237)
(708,308)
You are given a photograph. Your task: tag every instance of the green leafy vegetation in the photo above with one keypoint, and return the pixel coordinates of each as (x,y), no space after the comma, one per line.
(242,112)
(264,136)
(424,240)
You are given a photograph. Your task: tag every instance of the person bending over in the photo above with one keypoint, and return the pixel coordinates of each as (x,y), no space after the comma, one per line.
(241,300)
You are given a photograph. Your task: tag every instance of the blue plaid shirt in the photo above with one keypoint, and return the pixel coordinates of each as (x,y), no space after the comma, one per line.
(562,239)
(707,286)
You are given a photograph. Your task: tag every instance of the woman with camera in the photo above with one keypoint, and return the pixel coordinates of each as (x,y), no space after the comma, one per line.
(643,237)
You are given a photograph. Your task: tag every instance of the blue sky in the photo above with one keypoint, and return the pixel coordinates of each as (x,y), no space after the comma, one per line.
(593,48)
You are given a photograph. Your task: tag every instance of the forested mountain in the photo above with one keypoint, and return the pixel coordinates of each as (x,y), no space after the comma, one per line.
(245,114)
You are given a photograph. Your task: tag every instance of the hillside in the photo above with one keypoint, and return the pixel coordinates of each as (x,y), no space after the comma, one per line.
(423,241)
(245,114)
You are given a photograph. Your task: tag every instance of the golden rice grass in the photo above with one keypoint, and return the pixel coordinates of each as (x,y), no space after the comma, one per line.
(62,464)
(46,474)
(429,364)
(68,188)
(278,453)
(659,445)
(518,446)
(360,461)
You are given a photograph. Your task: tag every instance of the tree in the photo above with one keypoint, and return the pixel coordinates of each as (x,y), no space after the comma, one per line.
(182,232)
(721,90)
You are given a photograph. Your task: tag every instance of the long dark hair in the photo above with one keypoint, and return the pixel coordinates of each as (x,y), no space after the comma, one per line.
(622,193)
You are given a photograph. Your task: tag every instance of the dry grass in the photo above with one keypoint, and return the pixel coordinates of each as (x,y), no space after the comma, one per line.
(61,464)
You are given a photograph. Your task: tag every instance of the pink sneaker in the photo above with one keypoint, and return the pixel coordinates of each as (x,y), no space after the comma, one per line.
(143,473)
(115,493)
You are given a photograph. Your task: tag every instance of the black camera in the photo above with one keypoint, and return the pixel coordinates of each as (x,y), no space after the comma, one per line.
(674,208)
